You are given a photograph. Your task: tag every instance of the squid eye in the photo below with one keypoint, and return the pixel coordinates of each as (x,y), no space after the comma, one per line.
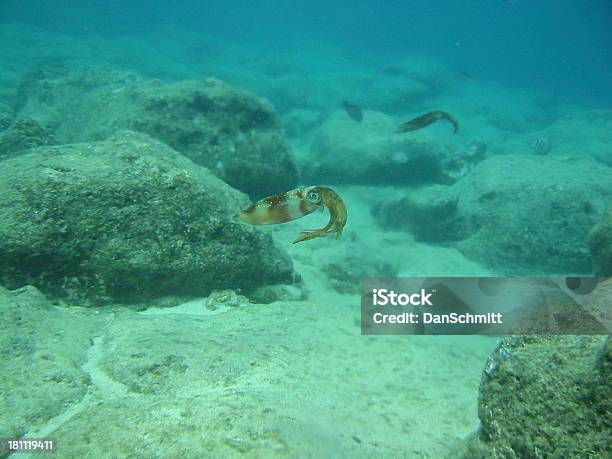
(314,198)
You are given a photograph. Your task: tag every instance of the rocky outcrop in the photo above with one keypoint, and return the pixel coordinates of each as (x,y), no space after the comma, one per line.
(545,396)
(345,273)
(6,116)
(601,246)
(431,215)
(516,214)
(41,370)
(22,135)
(194,380)
(371,152)
(231,131)
(126,220)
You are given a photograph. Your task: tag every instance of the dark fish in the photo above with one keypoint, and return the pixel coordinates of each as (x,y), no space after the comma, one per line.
(428,118)
(354,111)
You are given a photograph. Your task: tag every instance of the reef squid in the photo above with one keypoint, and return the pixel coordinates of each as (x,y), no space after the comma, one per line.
(296,204)
(428,118)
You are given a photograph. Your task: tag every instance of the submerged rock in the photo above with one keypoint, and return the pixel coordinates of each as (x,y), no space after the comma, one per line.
(545,396)
(371,152)
(126,220)
(41,370)
(6,116)
(601,246)
(460,163)
(432,215)
(231,131)
(533,214)
(517,214)
(22,135)
(225,298)
(345,273)
(281,292)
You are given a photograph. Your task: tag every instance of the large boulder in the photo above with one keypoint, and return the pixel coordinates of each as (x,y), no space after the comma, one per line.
(545,396)
(128,219)
(231,131)
(371,152)
(517,214)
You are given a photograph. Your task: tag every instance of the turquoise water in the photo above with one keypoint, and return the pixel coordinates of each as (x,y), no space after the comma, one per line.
(559,47)
(150,311)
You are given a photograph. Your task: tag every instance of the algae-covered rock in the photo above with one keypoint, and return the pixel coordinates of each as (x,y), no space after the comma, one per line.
(344,274)
(280,292)
(192,385)
(22,135)
(532,213)
(225,298)
(231,131)
(545,396)
(371,152)
(41,346)
(128,219)
(517,214)
(192,382)
(601,246)
(6,116)
(431,215)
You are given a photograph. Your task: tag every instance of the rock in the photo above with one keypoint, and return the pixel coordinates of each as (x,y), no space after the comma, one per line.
(6,117)
(460,163)
(126,220)
(432,215)
(533,213)
(299,121)
(345,273)
(581,132)
(600,242)
(33,357)
(598,304)
(225,298)
(516,214)
(393,93)
(282,292)
(546,396)
(432,73)
(231,131)
(194,383)
(604,366)
(370,152)
(408,85)
(22,135)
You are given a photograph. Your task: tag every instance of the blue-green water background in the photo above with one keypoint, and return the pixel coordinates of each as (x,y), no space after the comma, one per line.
(295,378)
(562,47)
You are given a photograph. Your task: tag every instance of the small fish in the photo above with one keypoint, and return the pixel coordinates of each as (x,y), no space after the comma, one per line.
(541,146)
(428,118)
(354,111)
(295,204)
